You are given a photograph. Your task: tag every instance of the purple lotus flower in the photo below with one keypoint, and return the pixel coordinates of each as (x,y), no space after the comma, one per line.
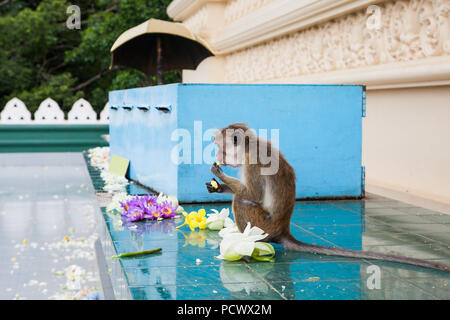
(129,205)
(149,200)
(167,210)
(135,215)
(153,212)
(147,207)
(126,208)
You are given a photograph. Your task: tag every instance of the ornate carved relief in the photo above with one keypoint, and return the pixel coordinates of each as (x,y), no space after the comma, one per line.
(408,30)
(236,9)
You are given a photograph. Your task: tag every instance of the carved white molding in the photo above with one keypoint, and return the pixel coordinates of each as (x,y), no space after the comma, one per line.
(409,30)
(104,114)
(49,112)
(180,10)
(434,71)
(280,17)
(236,9)
(15,112)
(82,112)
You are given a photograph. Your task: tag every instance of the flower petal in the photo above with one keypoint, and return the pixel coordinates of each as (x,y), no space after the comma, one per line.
(231,255)
(202,224)
(256,237)
(247,228)
(173,200)
(215,225)
(228,223)
(201,212)
(225,231)
(225,212)
(255,231)
(193,224)
(264,248)
(244,248)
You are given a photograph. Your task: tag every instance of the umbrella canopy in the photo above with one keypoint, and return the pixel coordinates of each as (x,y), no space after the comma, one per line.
(156,46)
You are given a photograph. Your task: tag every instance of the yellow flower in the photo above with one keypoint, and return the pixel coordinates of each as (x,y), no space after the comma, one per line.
(195,219)
(198,219)
(186,219)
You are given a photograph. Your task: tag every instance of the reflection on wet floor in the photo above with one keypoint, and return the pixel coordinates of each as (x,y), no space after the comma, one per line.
(48,223)
(49,218)
(187,268)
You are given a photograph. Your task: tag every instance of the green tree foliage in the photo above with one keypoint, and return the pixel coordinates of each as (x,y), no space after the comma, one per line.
(40,57)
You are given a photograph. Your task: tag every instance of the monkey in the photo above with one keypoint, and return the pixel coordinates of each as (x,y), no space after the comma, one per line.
(267,200)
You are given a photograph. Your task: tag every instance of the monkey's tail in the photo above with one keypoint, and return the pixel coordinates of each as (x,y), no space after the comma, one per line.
(290,243)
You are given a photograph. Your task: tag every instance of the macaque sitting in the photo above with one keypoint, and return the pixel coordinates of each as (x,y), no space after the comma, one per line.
(265,193)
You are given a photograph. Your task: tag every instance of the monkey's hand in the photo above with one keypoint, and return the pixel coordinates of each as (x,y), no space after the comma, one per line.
(217,171)
(214,186)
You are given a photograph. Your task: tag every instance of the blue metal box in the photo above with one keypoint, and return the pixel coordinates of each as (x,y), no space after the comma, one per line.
(319,130)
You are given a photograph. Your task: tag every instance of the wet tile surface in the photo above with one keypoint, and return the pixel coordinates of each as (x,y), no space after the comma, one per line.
(187,268)
(48,219)
(48,198)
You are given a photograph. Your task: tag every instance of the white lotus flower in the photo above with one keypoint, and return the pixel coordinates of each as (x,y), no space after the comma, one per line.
(219,220)
(231,229)
(114,206)
(113,182)
(171,199)
(162,198)
(99,157)
(235,245)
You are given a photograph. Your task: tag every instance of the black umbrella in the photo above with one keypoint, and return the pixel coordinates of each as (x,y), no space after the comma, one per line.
(156,46)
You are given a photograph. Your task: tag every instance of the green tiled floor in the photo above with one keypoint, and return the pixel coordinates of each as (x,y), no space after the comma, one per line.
(187,268)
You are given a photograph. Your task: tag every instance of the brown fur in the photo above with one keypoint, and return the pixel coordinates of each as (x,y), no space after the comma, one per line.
(248,199)
(249,204)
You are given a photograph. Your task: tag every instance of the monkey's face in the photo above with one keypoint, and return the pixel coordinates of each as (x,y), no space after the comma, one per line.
(230,151)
